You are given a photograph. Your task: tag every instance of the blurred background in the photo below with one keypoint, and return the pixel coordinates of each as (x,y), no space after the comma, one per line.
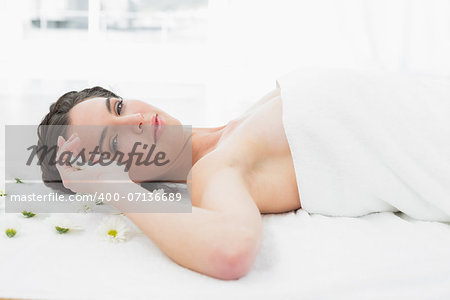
(203,61)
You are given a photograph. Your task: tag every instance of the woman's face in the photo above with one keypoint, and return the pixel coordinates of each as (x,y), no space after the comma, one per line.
(116,125)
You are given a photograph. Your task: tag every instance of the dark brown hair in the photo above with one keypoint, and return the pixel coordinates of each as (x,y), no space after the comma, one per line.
(48,135)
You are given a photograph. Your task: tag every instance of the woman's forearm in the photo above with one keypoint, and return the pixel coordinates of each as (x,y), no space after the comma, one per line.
(220,239)
(206,241)
(210,242)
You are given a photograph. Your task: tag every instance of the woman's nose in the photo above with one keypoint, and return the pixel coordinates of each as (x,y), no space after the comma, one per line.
(134,122)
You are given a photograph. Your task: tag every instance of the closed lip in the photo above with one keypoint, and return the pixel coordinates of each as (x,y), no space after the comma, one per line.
(158,126)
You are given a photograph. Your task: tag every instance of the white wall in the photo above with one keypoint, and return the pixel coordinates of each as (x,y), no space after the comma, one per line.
(250,43)
(254,41)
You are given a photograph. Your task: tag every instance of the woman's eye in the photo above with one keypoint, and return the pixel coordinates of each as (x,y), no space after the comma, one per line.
(119,107)
(114,144)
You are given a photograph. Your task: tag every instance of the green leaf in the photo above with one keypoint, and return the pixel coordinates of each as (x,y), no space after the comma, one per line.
(28,214)
(61,230)
(2,194)
(18,180)
(10,232)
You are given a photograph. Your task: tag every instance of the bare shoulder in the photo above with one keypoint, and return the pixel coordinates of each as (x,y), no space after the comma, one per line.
(267,97)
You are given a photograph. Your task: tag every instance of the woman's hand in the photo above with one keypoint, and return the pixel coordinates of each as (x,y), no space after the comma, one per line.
(92,177)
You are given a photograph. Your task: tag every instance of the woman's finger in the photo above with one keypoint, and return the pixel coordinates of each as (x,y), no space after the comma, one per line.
(68,145)
(61,141)
(68,150)
(72,137)
(74,146)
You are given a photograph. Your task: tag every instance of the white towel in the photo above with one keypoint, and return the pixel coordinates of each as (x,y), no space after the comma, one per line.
(366,142)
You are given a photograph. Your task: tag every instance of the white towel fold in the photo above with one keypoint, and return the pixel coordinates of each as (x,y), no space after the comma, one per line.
(366,142)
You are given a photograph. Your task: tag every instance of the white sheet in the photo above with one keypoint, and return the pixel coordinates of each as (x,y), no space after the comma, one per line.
(366,142)
(303,256)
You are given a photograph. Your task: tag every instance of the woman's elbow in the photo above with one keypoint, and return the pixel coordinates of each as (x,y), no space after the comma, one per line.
(234,266)
(234,260)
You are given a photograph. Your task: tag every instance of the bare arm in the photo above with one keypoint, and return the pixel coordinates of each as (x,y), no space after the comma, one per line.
(220,240)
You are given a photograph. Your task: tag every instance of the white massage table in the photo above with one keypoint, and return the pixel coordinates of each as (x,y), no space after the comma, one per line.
(303,256)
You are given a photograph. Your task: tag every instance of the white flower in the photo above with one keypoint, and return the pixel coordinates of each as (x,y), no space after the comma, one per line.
(158,191)
(113,229)
(86,207)
(62,225)
(157,194)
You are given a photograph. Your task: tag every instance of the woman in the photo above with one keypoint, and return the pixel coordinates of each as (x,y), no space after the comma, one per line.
(233,165)
(252,164)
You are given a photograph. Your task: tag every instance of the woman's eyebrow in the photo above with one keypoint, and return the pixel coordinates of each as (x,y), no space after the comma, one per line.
(108,104)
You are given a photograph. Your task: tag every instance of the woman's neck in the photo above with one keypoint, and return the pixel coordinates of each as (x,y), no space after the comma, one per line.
(205,140)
